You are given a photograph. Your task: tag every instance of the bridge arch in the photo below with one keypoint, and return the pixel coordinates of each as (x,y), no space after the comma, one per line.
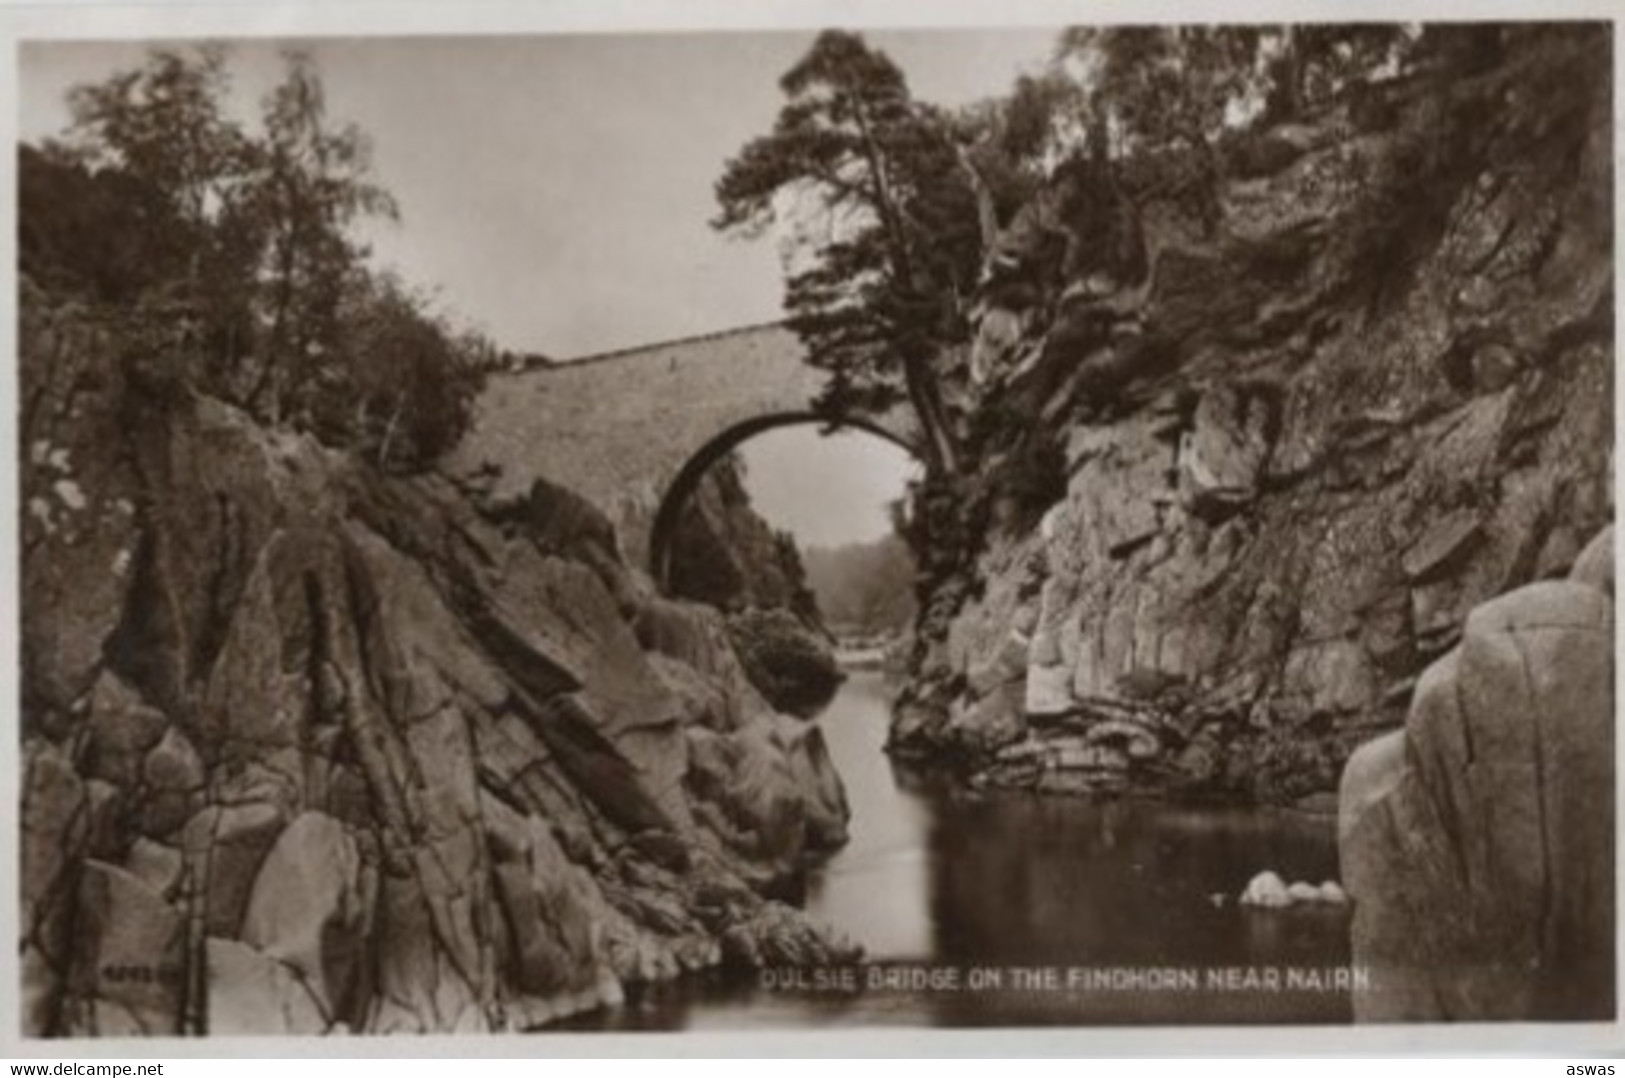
(626,429)
(682,485)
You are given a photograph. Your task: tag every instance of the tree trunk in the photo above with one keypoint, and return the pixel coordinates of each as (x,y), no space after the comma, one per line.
(942,455)
(919,379)
(987,217)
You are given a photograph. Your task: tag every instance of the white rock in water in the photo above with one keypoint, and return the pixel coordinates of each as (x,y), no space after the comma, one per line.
(1303,892)
(1330,891)
(1266,889)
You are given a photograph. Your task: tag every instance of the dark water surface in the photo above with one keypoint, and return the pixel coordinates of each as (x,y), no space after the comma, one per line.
(1033,894)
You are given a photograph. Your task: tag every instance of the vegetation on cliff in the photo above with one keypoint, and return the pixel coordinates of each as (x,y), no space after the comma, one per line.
(1243,395)
(1289,444)
(309,745)
(233,254)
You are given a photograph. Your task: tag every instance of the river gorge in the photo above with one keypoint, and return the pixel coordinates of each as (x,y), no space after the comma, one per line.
(1258,657)
(1021,909)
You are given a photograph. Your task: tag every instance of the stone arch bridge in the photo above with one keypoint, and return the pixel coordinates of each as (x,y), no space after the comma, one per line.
(634,430)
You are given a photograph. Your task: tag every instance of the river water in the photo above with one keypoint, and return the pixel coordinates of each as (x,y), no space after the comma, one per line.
(1009,908)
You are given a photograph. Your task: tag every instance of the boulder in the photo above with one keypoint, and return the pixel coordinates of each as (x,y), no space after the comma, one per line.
(1267,890)
(1445,543)
(1049,690)
(1374,769)
(1595,565)
(824,796)
(53,829)
(251,993)
(989,722)
(549,908)
(122,729)
(777,936)
(307,908)
(1222,455)
(128,970)
(747,778)
(1478,844)
(173,764)
(792,666)
(232,842)
(158,866)
(1137,741)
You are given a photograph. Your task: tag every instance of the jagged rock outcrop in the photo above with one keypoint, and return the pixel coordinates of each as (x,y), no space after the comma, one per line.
(1288,457)
(1478,842)
(789,662)
(724,554)
(308,749)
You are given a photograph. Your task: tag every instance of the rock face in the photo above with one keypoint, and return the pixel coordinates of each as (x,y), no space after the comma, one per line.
(1478,843)
(725,555)
(308,749)
(790,663)
(1281,473)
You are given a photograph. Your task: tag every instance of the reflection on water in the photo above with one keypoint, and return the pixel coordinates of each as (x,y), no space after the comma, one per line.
(1020,884)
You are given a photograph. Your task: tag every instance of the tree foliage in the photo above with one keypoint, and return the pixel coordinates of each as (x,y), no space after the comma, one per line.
(897,203)
(312,182)
(159,203)
(884,290)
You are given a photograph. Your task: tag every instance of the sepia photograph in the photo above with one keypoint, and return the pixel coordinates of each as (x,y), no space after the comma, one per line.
(1080,526)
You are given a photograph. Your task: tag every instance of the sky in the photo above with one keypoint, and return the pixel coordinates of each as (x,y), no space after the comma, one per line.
(556,192)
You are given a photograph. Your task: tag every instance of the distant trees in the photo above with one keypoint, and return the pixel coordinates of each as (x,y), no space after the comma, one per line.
(1157,87)
(157,202)
(863,588)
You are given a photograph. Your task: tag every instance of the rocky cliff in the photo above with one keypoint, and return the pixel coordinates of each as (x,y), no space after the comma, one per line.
(1478,841)
(1282,451)
(307,749)
(724,554)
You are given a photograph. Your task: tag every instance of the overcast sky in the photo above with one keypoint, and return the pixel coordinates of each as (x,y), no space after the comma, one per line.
(556,191)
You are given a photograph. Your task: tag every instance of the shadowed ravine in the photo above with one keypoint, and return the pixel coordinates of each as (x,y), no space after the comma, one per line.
(951,880)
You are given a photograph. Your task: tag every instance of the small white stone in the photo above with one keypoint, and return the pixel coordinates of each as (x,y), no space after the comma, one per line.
(1332,892)
(70,493)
